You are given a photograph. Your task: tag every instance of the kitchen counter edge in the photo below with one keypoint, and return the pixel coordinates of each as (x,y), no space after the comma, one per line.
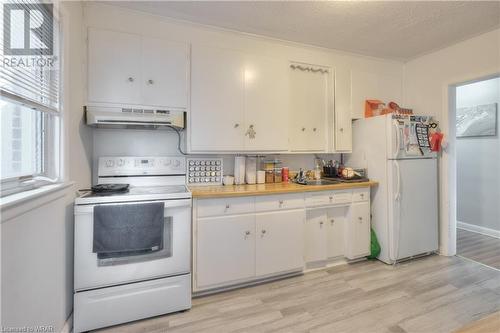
(221,191)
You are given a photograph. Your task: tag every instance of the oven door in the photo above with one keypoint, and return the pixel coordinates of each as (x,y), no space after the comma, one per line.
(92,272)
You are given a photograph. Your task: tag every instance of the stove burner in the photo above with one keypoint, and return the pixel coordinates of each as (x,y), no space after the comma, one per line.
(110,188)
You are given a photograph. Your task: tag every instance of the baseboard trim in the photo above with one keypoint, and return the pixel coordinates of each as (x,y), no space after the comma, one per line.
(68,324)
(478,229)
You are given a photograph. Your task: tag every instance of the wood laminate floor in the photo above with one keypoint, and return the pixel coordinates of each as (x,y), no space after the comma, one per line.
(480,248)
(432,294)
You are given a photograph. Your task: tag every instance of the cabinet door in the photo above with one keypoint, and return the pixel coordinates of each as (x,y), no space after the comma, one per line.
(280,241)
(315,235)
(217,99)
(309,107)
(342,121)
(165,72)
(335,231)
(357,242)
(114,74)
(225,250)
(266,103)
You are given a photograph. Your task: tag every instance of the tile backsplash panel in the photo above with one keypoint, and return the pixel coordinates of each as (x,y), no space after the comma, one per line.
(130,142)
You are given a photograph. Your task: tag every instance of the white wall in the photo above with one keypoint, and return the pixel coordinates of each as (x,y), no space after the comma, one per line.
(478,162)
(134,142)
(37,262)
(37,235)
(426,86)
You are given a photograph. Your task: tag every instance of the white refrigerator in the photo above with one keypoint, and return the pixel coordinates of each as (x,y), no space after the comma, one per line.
(405,203)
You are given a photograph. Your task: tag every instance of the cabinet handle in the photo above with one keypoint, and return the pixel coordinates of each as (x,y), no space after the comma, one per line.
(281,202)
(236,125)
(360,219)
(263,231)
(303,129)
(130,79)
(341,129)
(227,207)
(321,224)
(247,233)
(314,129)
(362,195)
(150,81)
(331,198)
(331,221)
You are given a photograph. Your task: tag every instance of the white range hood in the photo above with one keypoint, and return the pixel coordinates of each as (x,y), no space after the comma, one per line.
(126,117)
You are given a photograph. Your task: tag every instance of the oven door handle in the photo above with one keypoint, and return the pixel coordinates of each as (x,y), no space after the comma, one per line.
(85,209)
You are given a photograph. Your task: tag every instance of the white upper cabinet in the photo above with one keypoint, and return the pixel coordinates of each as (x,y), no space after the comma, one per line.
(114,72)
(309,97)
(239,101)
(266,103)
(132,69)
(342,127)
(217,99)
(368,85)
(164,72)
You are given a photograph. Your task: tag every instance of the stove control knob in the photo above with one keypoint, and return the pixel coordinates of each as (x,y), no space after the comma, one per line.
(177,163)
(167,162)
(110,163)
(121,162)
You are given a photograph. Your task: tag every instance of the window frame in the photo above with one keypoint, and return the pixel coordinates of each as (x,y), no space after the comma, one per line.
(51,129)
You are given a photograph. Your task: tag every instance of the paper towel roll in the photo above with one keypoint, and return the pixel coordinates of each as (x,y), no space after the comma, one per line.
(251,170)
(239,170)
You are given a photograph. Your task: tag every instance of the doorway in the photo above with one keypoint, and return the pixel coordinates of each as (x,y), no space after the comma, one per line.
(477,152)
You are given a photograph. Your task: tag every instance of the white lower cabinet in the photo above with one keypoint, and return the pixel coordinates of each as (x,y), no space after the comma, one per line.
(315,235)
(335,237)
(358,231)
(240,240)
(225,249)
(279,241)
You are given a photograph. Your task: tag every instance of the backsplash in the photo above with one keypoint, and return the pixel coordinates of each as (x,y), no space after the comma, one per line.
(129,142)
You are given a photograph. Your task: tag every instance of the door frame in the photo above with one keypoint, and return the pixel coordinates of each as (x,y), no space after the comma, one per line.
(448,161)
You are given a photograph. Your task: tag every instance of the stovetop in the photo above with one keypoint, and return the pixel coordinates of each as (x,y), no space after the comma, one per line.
(136,193)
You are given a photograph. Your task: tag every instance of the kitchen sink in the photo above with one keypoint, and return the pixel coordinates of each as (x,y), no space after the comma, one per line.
(320,182)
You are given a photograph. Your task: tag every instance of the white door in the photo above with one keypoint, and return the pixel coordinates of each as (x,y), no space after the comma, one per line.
(114,71)
(217,99)
(335,231)
(279,241)
(266,103)
(357,242)
(225,250)
(413,208)
(315,235)
(309,107)
(165,72)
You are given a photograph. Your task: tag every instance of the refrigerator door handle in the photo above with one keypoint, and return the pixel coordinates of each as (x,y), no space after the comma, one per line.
(395,151)
(398,183)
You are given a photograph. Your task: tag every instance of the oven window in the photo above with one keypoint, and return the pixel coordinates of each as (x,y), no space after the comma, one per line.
(123,258)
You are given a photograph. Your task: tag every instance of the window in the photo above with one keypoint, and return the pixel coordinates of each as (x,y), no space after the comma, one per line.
(29,100)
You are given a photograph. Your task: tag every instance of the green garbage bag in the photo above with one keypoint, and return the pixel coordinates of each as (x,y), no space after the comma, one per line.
(374,246)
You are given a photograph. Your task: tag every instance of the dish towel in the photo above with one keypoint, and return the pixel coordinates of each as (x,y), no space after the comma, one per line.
(127,230)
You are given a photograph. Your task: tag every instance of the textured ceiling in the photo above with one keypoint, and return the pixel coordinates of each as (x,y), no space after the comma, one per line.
(398,30)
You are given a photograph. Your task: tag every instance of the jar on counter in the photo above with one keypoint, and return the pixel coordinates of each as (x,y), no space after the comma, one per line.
(277,175)
(269,176)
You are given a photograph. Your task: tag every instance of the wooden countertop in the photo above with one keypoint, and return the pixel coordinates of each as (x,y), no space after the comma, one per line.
(270,188)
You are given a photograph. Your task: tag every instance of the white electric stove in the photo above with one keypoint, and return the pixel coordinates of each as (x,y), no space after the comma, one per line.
(116,290)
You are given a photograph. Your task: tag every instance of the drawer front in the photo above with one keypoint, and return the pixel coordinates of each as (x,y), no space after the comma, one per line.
(225,206)
(362,194)
(340,197)
(279,202)
(318,199)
